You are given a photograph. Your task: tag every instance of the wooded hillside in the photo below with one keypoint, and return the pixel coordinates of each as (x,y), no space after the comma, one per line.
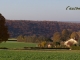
(44,28)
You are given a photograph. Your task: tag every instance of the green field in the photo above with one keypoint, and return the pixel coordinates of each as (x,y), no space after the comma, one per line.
(14,44)
(11,54)
(39,55)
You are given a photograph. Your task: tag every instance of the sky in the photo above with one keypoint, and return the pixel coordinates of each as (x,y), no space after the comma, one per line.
(51,10)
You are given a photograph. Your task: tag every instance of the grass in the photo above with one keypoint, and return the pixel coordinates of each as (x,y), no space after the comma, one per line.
(14,44)
(39,55)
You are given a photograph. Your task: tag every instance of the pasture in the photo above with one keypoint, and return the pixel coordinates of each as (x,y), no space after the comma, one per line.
(15,44)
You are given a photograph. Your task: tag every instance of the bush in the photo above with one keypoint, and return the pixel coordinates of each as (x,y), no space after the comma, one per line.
(42,44)
(3,48)
(75,47)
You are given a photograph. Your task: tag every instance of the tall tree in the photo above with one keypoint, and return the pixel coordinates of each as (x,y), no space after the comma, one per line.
(75,36)
(3,29)
(20,38)
(56,37)
(65,34)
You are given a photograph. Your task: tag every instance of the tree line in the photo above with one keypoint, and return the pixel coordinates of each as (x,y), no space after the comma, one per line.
(32,39)
(57,39)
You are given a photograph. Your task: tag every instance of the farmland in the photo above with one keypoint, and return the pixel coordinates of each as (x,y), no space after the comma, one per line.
(6,54)
(38,55)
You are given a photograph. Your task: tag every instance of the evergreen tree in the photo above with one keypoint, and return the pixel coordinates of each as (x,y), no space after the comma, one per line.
(3,29)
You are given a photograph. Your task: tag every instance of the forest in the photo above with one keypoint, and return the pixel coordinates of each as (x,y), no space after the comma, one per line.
(38,28)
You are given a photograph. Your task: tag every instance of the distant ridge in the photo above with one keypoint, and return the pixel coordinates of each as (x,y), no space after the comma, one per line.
(45,28)
(71,21)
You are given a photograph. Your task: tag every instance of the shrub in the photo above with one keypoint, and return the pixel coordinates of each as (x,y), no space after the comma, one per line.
(3,48)
(75,47)
(42,44)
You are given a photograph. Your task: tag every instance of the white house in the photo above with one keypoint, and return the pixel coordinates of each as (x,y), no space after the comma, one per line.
(70,42)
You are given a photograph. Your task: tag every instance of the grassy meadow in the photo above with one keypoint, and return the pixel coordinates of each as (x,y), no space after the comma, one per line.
(15,44)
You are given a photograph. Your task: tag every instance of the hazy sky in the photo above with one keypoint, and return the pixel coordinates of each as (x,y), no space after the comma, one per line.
(54,10)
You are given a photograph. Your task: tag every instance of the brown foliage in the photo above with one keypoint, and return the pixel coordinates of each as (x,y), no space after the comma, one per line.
(56,37)
(75,36)
(42,44)
(46,28)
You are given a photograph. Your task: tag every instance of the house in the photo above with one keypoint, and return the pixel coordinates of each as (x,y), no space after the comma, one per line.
(70,42)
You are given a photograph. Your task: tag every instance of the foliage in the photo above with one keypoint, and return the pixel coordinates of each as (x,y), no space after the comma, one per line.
(3,29)
(42,44)
(65,34)
(20,38)
(33,39)
(79,42)
(75,47)
(56,37)
(75,36)
(45,28)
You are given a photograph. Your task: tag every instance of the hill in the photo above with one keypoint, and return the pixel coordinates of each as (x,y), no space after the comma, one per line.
(45,28)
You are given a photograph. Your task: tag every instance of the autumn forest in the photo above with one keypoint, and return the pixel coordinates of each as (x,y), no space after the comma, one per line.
(38,28)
